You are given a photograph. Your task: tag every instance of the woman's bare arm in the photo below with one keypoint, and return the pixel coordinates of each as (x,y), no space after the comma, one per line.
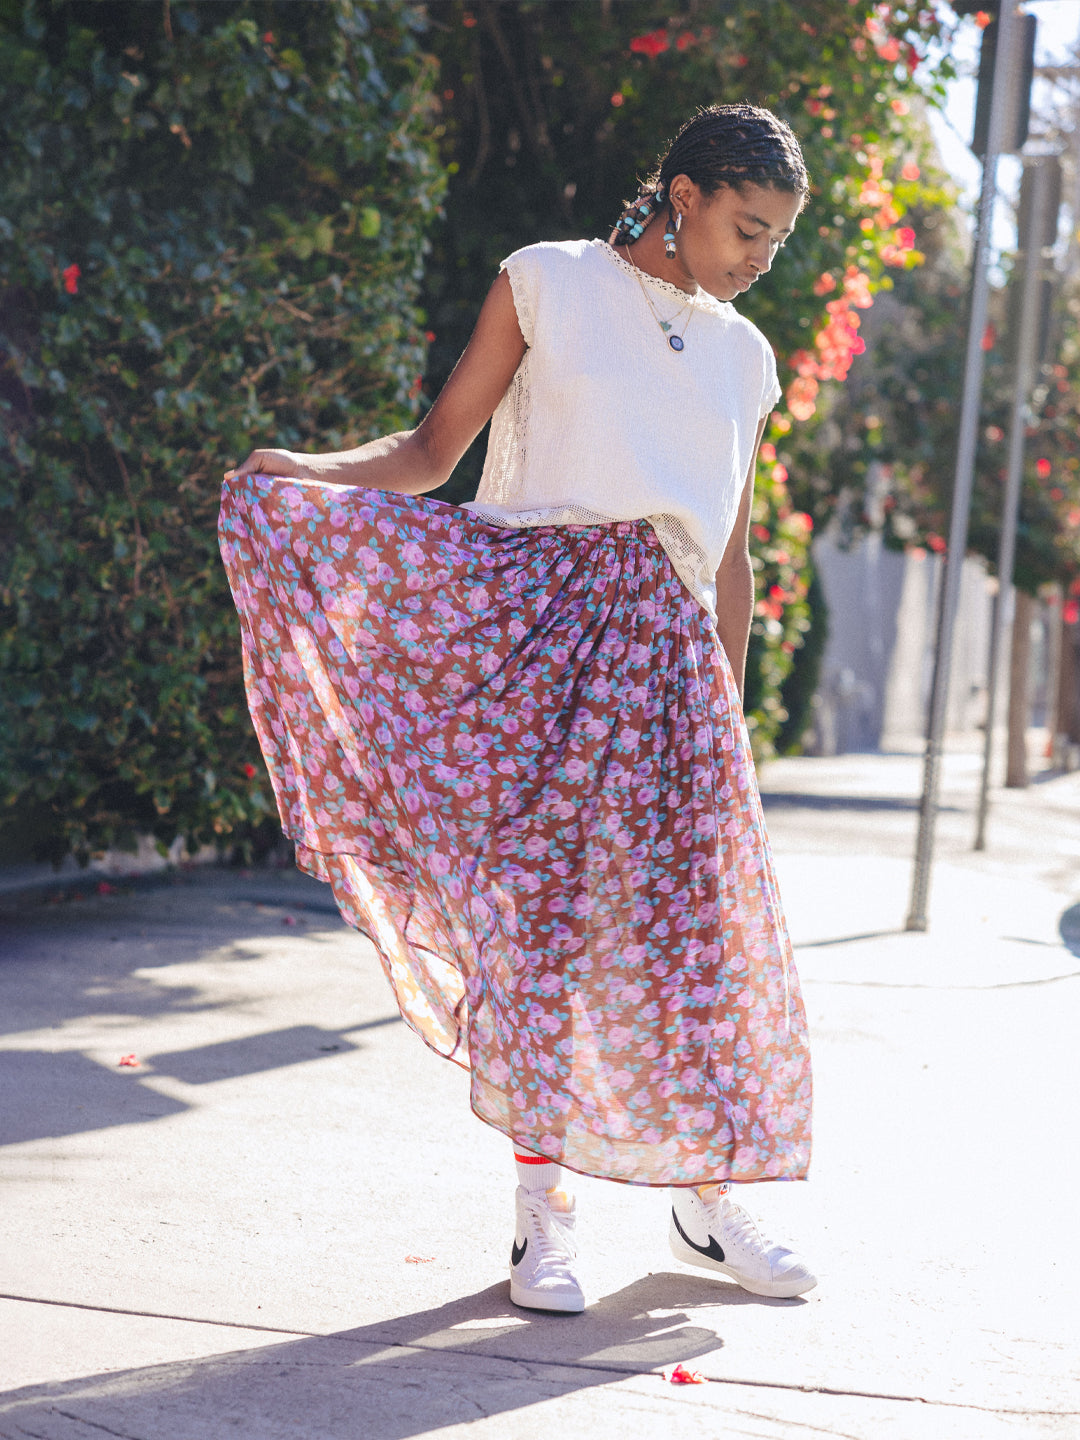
(735,581)
(415,461)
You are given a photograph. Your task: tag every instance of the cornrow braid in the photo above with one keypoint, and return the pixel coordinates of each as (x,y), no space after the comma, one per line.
(721,145)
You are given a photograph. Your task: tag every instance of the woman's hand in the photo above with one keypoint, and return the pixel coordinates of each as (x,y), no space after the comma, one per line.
(273,462)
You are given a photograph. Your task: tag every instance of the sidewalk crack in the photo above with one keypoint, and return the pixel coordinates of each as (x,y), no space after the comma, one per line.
(96,1425)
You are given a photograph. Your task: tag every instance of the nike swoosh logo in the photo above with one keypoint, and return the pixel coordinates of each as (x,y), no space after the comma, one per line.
(517,1254)
(712,1251)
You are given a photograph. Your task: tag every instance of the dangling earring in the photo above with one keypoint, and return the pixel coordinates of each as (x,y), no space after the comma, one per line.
(669,235)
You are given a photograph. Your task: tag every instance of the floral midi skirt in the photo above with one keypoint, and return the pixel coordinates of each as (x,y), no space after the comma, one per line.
(518,757)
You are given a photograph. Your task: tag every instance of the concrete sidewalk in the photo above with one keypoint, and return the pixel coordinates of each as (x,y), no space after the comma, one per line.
(283,1221)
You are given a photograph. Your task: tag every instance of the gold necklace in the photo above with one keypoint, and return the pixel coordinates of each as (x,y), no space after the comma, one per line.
(675,341)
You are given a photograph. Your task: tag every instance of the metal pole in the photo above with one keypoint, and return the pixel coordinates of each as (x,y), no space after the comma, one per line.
(1032,241)
(965,469)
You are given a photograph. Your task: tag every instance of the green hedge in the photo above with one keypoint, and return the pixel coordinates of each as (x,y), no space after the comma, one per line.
(213,219)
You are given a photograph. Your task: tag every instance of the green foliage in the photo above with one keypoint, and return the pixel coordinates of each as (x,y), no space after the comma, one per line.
(801,682)
(1048,524)
(212,233)
(552,111)
(892,432)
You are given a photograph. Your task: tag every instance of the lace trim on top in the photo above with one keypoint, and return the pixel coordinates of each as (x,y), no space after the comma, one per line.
(705,301)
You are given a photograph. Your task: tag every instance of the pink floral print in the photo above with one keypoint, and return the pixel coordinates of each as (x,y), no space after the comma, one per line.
(518,757)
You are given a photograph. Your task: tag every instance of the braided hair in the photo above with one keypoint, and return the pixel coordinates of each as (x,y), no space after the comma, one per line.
(721,145)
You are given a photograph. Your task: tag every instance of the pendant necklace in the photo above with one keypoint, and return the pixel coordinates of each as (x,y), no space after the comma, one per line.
(675,341)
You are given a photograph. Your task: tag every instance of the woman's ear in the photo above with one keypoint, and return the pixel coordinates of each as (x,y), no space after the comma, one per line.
(683,195)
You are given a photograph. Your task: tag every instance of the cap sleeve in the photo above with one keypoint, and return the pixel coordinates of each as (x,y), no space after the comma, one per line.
(523,268)
(771,391)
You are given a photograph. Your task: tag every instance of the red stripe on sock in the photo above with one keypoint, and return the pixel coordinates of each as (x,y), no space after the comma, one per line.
(531,1159)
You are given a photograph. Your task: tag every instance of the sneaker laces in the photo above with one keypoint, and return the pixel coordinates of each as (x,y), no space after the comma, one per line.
(555,1245)
(740,1228)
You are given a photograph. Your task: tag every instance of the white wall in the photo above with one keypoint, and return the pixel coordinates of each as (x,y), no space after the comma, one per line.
(877,667)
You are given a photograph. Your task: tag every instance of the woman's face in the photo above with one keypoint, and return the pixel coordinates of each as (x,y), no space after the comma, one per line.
(727,240)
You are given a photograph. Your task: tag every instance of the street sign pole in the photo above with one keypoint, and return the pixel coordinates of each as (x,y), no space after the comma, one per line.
(1039,225)
(1007,37)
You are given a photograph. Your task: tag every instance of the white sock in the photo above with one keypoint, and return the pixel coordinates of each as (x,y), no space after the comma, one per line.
(536,1173)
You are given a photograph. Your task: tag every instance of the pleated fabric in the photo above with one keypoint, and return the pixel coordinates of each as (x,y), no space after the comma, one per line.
(518,757)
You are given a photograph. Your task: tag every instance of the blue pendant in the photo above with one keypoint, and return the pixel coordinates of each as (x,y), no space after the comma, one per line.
(675,341)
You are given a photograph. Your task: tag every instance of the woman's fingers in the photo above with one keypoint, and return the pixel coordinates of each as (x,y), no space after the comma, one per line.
(264,462)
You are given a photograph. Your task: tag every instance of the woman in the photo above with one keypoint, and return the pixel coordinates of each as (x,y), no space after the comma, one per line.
(510,736)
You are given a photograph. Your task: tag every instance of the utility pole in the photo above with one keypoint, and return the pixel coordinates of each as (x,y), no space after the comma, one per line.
(1006,47)
(1043,184)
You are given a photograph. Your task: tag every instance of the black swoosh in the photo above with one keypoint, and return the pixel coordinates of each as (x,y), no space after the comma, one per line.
(712,1251)
(516,1255)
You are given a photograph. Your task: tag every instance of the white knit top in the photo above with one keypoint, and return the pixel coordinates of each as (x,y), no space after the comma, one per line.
(604,421)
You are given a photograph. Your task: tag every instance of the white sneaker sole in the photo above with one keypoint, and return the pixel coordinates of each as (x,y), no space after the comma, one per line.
(546,1300)
(773,1289)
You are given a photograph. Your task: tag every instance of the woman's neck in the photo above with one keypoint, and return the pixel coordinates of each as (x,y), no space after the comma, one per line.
(649,256)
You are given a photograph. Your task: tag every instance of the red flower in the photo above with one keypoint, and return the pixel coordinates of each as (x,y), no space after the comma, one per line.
(682,1376)
(905,237)
(685,40)
(652,44)
(982,19)
(617,99)
(249,770)
(268,38)
(71,279)
(1070,612)
(989,339)
(936,543)
(1043,468)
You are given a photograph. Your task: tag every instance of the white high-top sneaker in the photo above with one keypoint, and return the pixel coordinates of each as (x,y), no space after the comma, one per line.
(543,1272)
(719,1235)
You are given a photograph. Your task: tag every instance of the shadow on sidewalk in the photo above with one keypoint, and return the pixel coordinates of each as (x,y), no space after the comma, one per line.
(111,959)
(52,1093)
(475,1357)
(802,800)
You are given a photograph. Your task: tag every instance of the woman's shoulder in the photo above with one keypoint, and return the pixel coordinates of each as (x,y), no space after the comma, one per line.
(550,254)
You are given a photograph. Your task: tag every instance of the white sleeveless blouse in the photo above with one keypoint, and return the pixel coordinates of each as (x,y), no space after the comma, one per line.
(603,421)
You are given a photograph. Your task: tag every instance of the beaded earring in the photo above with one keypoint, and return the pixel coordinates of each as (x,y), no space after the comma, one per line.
(669,235)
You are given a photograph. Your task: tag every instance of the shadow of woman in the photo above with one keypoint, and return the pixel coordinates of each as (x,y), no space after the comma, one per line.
(475,1357)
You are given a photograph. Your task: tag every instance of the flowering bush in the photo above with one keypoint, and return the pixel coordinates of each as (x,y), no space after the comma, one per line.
(211,235)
